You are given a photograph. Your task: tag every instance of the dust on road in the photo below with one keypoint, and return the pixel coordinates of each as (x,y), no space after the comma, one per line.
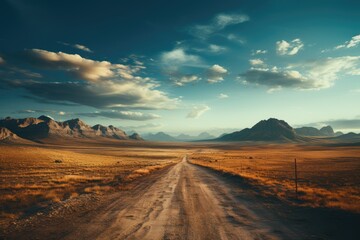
(187,202)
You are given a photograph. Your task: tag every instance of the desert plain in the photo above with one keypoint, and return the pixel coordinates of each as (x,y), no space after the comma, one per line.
(148,190)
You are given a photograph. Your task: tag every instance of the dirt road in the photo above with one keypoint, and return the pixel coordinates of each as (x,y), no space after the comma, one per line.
(187,202)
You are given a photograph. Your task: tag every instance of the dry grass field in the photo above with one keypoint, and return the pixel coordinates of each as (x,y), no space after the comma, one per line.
(32,178)
(327,176)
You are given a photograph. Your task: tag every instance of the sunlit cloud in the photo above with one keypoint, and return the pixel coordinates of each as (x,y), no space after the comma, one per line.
(216,73)
(353,42)
(289,48)
(256,62)
(77,46)
(179,56)
(102,84)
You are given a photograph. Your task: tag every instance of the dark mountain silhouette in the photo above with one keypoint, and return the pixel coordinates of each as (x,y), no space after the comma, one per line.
(265,130)
(161,137)
(45,128)
(326,131)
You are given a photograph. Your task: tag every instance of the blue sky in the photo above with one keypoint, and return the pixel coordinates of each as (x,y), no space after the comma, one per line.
(180,66)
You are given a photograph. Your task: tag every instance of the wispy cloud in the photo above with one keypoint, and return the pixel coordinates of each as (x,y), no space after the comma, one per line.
(258,51)
(127,115)
(216,73)
(353,42)
(197,111)
(223,96)
(235,38)
(43,111)
(218,23)
(289,48)
(77,46)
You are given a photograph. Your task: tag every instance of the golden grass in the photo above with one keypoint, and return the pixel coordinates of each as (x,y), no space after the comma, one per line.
(31,178)
(328,177)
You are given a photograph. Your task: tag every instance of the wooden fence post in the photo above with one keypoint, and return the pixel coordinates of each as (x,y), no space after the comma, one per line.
(296,180)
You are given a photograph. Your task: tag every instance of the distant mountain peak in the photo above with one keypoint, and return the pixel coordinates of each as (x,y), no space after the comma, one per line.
(271,129)
(46,128)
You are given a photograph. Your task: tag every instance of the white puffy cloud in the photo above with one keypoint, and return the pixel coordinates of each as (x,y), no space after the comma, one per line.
(178,56)
(223,95)
(127,115)
(289,48)
(256,62)
(218,23)
(353,42)
(216,73)
(317,74)
(197,111)
(258,51)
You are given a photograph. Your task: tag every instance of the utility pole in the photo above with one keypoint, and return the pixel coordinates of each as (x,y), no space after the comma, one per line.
(296,184)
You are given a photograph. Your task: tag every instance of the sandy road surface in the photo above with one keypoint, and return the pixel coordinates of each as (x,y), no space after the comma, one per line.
(187,202)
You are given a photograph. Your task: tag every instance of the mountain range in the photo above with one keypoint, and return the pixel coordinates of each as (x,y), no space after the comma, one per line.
(326,131)
(164,137)
(45,128)
(274,130)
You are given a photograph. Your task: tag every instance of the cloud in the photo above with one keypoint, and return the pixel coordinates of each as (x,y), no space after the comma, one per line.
(289,48)
(102,84)
(197,111)
(259,51)
(178,56)
(353,42)
(315,74)
(223,95)
(82,47)
(235,38)
(29,111)
(218,23)
(80,67)
(256,62)
(127,115)
(216,73)
(77,46)
(2,61)
(181,80)
(216,48)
